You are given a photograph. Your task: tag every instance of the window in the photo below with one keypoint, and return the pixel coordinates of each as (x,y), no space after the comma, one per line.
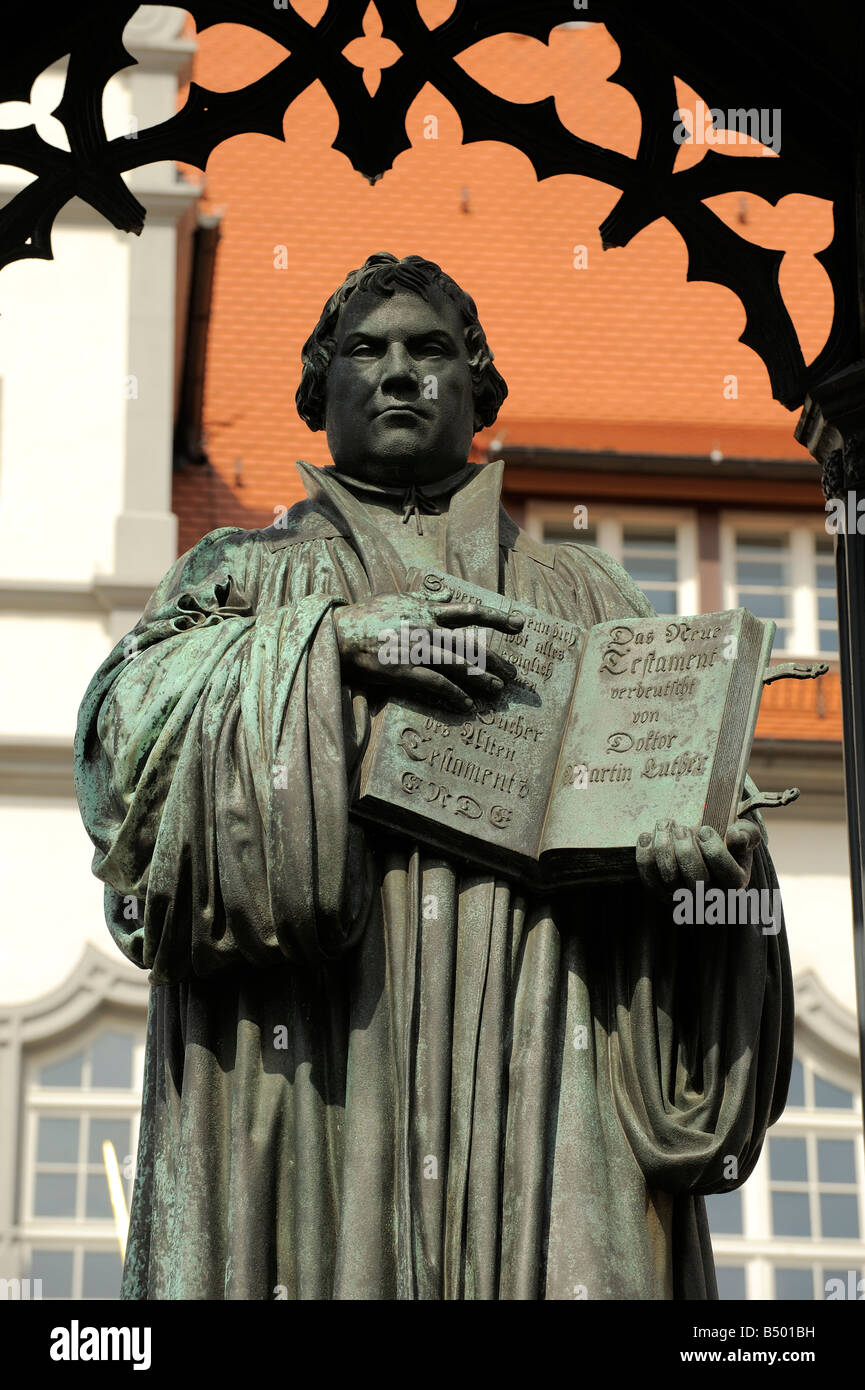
(813,1187)
(816,1281)
(783,570)
(725,1214)
(74,1200)
(658,549)
(763,581)
(651,557)
(795,1229)
(827,604)
(561,532)
(731,1281)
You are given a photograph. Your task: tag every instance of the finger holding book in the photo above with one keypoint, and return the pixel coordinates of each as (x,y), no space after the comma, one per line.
(362,628)
(676,856)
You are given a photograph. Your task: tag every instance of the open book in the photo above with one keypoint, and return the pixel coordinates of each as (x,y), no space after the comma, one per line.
(603,732)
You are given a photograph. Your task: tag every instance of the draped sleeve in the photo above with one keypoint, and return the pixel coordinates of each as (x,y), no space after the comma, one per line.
(699,1018)
(213,758)
(701,1041)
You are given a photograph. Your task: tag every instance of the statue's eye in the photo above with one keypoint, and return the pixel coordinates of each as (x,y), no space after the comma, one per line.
(363,350)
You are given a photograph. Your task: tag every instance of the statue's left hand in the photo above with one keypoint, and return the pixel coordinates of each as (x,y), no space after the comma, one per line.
(678,856)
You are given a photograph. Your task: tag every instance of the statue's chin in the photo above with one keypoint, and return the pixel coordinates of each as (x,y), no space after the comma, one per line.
(399,469)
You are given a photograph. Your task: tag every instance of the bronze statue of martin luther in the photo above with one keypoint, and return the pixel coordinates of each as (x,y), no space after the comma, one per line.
(373,1072)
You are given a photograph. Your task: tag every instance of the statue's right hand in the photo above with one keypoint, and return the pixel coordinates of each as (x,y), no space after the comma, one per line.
(363,630)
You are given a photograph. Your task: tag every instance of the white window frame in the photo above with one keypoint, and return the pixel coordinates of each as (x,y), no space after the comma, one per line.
(803,572)
(757,1249)
(76,1234)
(610,521)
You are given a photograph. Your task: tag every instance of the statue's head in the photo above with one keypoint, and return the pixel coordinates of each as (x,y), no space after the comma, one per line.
(399,373)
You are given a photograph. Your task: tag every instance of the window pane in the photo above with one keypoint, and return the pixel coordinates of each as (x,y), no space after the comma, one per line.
(781,640)
(829,1097)
(731,1281)
(839,1215)
(763,605)
(54,1194)
(827,609)
(54,1268)
(648,569)
(788,1160)
(664,601)
(656,538)
(796,1094)
(111,1056)
(102,1271)
(828,641)
(558,531)
(117,1131)
(790,1214)
(65,1073)
(57,1139)
(98,1201)
(749,542)
(836,1160)
(771,572)
(849,1280)
(725,1213)
(794,1283)
(824,546)
(826,576)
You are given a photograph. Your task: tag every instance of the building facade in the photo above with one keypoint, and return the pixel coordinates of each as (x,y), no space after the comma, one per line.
(88,369)
(148,397)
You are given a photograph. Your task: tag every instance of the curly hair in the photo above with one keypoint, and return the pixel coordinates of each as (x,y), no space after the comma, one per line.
(384,274)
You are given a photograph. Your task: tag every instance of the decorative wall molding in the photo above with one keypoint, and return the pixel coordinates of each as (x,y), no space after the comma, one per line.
(101,595)
(814,766)
(154,35)
(165,201)
(97,980)
(826,1031)
(36,766)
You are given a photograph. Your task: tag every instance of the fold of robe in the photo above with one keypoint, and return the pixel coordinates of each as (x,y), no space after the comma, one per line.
(370,1072)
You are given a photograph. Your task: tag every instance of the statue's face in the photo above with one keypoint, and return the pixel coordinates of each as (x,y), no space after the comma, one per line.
(399,405)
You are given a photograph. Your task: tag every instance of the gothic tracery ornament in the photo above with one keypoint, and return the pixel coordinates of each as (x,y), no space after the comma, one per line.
(372,103)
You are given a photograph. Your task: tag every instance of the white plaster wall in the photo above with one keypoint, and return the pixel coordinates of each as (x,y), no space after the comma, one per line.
(811,861)
(85,490)
(63,349)
(48,913)
(51,903)
(49,660)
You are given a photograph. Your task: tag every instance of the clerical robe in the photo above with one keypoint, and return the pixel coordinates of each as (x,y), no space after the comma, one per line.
(373,1072)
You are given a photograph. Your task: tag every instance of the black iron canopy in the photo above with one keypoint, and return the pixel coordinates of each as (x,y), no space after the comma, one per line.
(801,60)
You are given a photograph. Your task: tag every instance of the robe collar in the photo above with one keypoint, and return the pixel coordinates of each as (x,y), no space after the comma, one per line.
(476,526)
(414,499)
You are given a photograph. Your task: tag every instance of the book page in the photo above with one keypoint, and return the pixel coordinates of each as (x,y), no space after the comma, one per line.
(486,774)
(642,736)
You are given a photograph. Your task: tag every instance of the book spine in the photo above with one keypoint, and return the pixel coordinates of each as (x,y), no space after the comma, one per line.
(563,734)
(737,720)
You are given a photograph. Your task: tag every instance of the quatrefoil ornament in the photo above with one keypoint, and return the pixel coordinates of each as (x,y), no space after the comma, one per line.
(373,52)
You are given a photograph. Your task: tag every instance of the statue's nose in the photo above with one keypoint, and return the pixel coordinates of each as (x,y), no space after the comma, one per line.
(398,368)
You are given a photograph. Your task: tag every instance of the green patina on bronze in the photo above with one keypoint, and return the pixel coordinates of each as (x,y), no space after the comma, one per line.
(373,1071)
